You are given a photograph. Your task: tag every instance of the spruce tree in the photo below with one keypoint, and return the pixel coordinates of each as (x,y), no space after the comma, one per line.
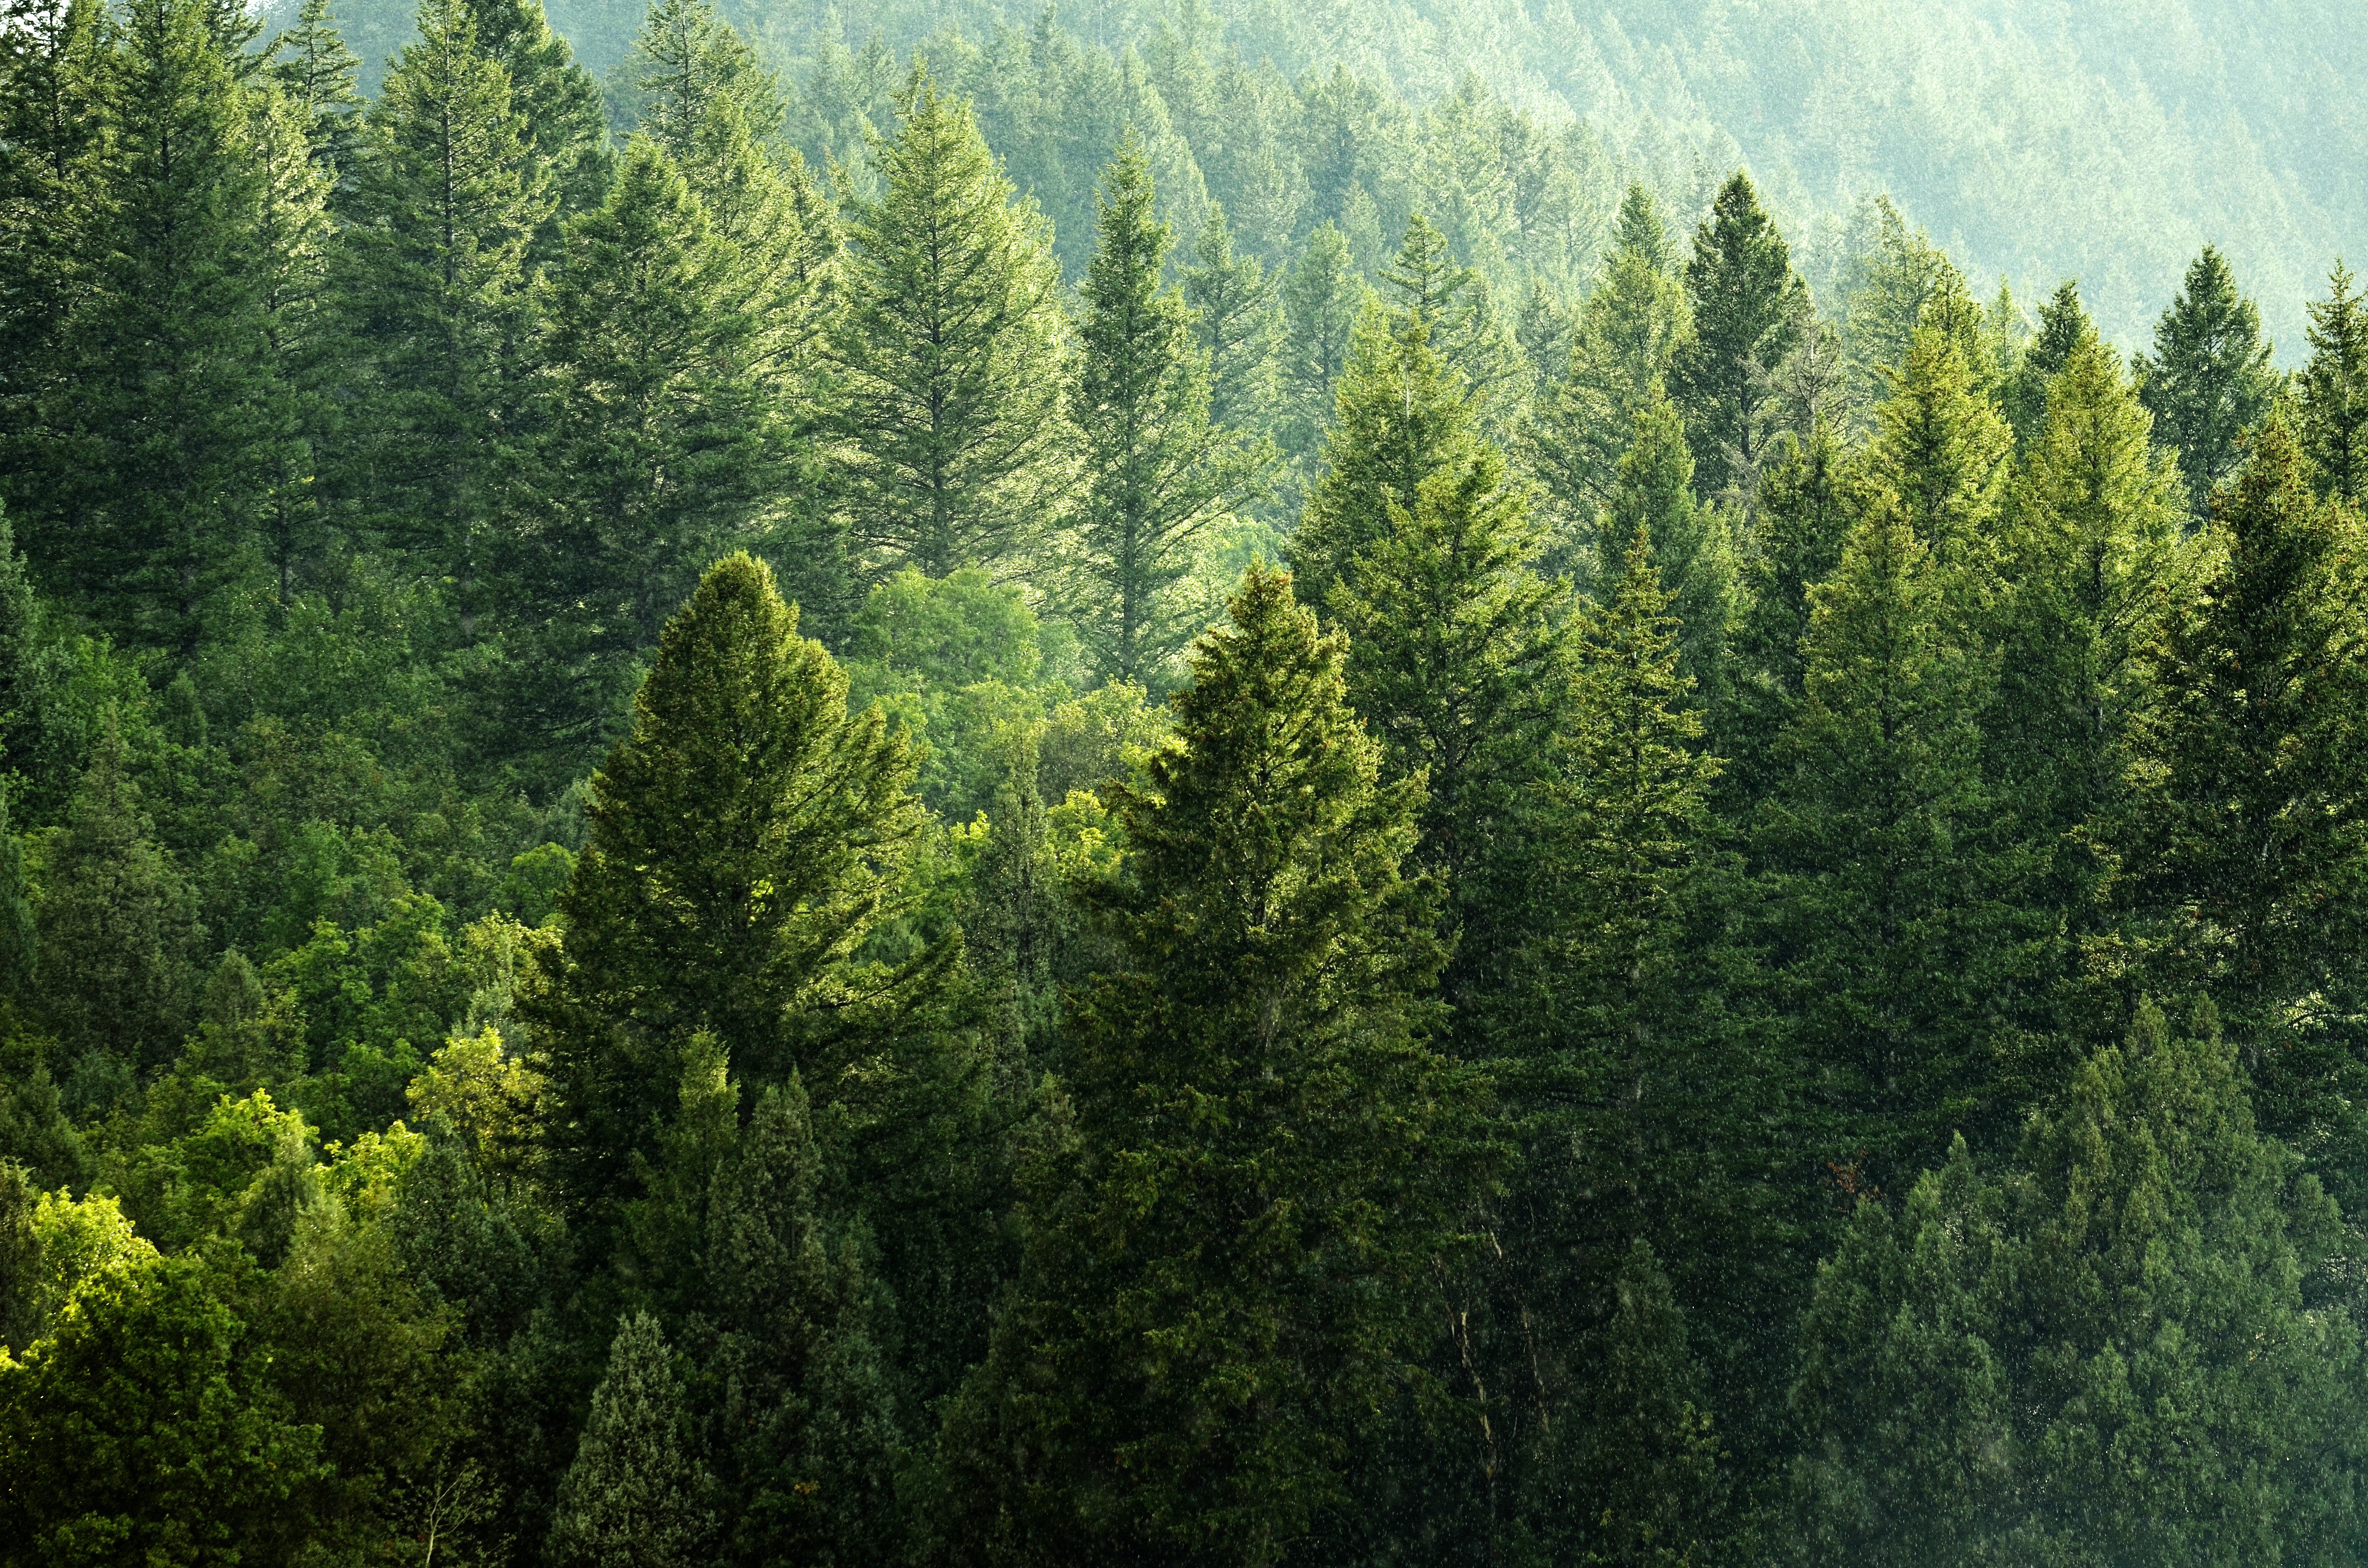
(2063,328)
(117,921)
(2105,1355)
(746,837)
(660,449)
(1423,278)
(1401,418)
(949,349)
(317,72)
(2243,845)
(1629,332)
(1229,1217)
(50,124)
(1238,322)
(636,1493)
(558,106)
(1322,301)
(292,239)
(433,280)
(1748,307)
(2210,378)
(2334,388)
(1943,449)
(1691,546)
(1156,470)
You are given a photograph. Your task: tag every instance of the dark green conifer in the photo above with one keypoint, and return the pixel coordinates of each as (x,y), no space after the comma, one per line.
(2210,378)
(2334,387)
(1692,549)
(636,1492)
(2063,327)
(1238,322)
(1322,297)
(1748,306)
(318,72)
(1943,449)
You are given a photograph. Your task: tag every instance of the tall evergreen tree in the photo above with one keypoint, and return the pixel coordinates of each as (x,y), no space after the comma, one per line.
(50,124)
(1157,471)
(2334,388)
(1322,300)
(558,106)
(1225,1236)
(2063,328)
(292,239)
(435,285)
(1941,446)
(1748,306)
(2210,378)
(1423,278)
(1692,549)
(2244,845)
(950,350)
(636,1493)
(746,837)
(318,71)
(1629,332)
(1238,322)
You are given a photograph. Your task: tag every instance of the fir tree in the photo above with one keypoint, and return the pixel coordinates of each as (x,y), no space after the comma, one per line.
(2243,841)
(661,447)
(1156,470)
(1425,280)
(2063,329)
(291,241)
(1747,312)
(1238,322)
(117,921)
(433,274)
(1654,492)
(1625,344)
(50,122)
(746,837)
(1941,446)
(636,1493)
(2047,1368)
(558,106)
(949,349)
(2210,378)
(2334,388)
(1224,1237)
(318,72)
(1322,298)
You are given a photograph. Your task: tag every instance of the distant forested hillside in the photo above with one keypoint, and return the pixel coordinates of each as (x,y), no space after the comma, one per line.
(2104,142)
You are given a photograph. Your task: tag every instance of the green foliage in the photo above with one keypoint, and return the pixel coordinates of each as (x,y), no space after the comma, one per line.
(2209,380)
(1654,493)
(635,1493)
(2334,390)
(1942,449)
(1238,322)
(1748,310)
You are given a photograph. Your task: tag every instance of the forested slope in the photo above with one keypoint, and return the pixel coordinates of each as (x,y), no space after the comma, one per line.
(1113,794)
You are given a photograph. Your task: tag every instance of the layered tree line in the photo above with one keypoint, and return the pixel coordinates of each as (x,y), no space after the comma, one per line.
(717,858)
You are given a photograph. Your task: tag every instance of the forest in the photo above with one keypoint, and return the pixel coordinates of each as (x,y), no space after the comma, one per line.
(1103,791)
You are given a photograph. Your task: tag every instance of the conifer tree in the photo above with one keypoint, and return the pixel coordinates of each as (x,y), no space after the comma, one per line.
(661,449)
(802,1400)
(1238,322)
(2105,1357)
(1748,307)
(433,277)
(1629,332)
(162,437)
(1224,1235)
(1156,470)
(558,106)
(117,921)
(317,72)
(636,1493)
(1691,547)
(2210,378)
(2243,841)
(1892,928)
(746,837)
(2063,328)
(50,59)
(2334,388)
(1941,446)
(1322,301)
(1401,418)
(950,350)
(291,243)
(1423,278)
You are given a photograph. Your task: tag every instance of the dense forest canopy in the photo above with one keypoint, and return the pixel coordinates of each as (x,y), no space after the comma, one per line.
(1269,786)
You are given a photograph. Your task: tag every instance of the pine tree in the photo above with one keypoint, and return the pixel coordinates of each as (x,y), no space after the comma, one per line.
(2242,843)
(317,72)
(1224,1238)
(1654,492)
(161,438)
(2334,388)
(1625,344)
(949,348)
(559,109)
(292,239)
(746,837)
(2105,1357)
(50,124)
(636,1493)
(1941,446)
(1455,664)
(2063,329)
(1401,418)
(1238,322)
(1156,470)
(1748,307)
(433,279)
(117,921)
(1322,298)
(1423,278)
(1905,282)
(660,449)
(2210,378)
(801,1395)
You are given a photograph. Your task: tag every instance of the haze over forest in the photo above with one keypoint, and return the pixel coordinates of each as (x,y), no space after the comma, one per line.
(909,787)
